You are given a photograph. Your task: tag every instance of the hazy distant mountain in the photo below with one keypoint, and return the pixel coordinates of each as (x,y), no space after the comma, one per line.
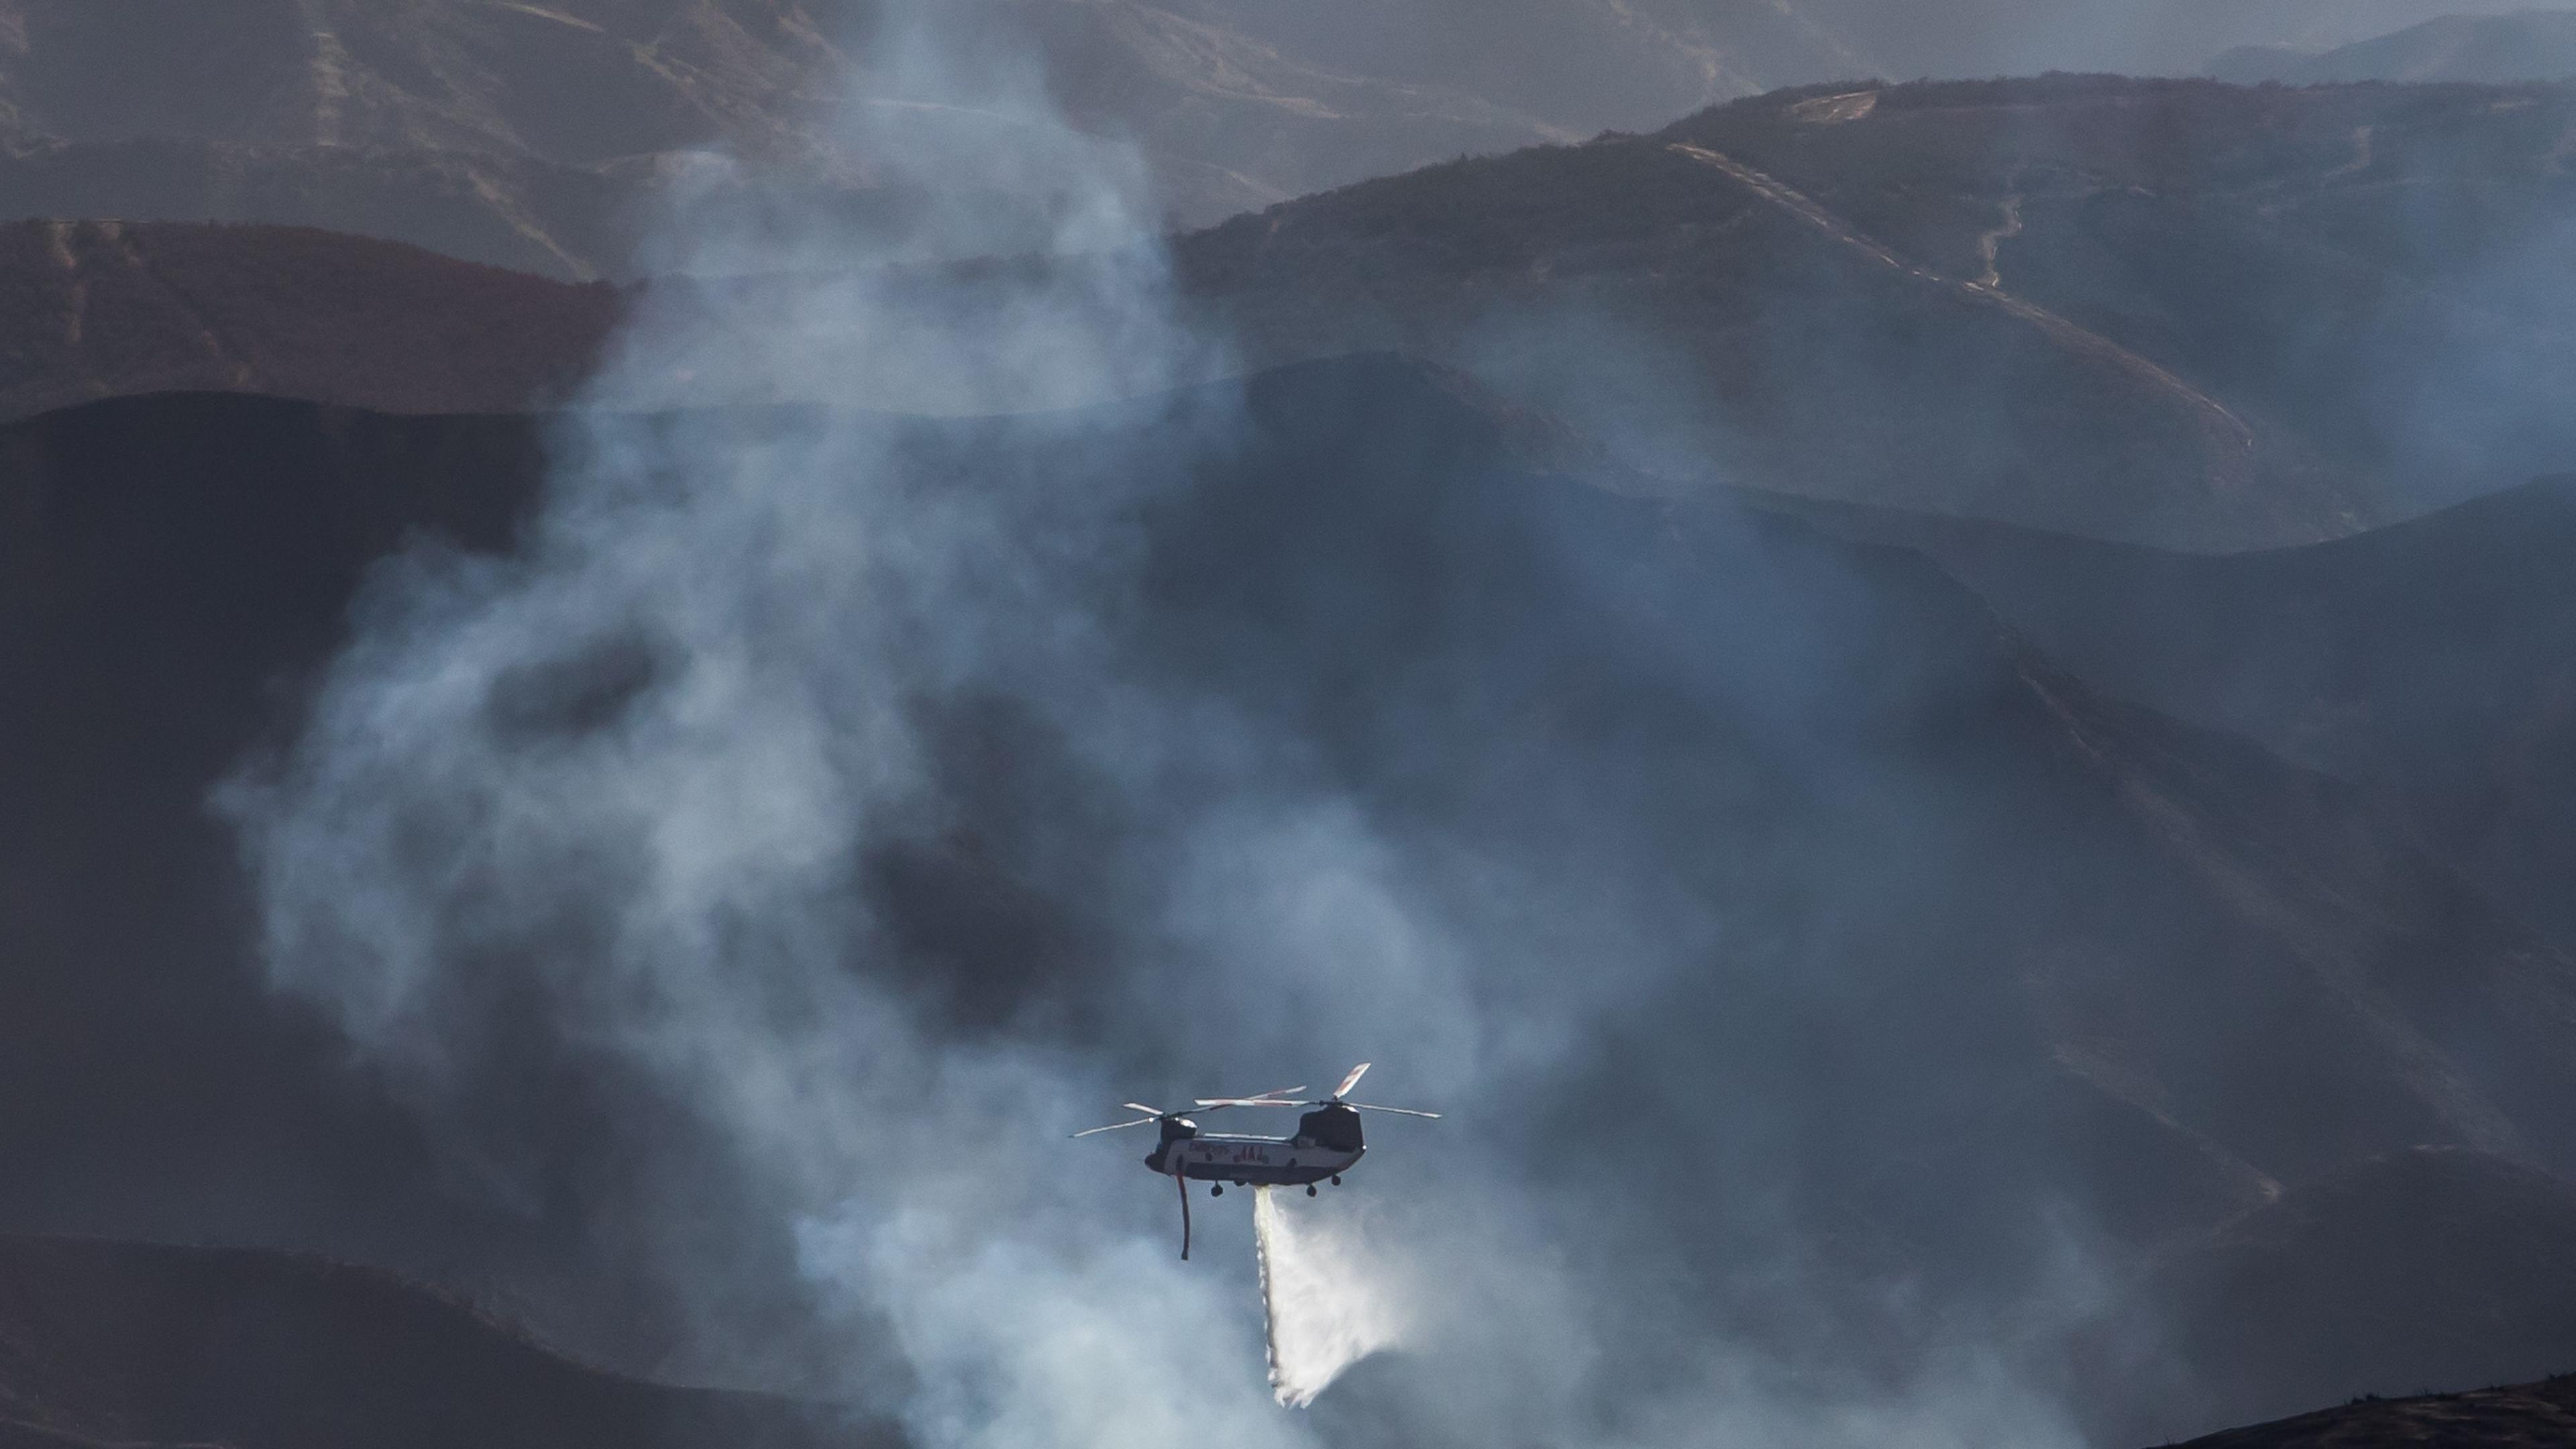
(546,137)
(1609,63)
(498,132)
(2168,312)
(583,82)
(2172,313)
(543,137)
(2489,49)
(1613,62)
(1973,38)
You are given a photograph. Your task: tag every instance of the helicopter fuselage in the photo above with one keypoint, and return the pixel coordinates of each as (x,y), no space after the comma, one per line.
(1328,1141)
(1326,1145)
(1247,1161)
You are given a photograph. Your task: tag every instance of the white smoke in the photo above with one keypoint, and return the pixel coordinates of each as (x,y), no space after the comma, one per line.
(626,778)
(1323,1301)
(624,782)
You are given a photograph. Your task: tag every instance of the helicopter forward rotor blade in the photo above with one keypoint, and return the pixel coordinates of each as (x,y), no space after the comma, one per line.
(1350,1081)
(1406,1111)
(1114,1126)
(1264,1099)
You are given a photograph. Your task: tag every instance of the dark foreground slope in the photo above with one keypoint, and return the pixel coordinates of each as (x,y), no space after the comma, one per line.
(2180,313)
(2051,954)
(2299,1302)
(2526,1416)
(117,1343)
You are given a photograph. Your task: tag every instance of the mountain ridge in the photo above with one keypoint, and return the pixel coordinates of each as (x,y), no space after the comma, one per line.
(2522,45)
(1763,306)
(101,309)
(1816,285)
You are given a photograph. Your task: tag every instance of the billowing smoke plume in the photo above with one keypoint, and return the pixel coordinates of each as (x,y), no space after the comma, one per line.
(789,844)
(619,803)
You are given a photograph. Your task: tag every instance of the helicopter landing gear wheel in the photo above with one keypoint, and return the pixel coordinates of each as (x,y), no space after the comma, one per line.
(1310,1189)
(1216,1189)
(1337,1179)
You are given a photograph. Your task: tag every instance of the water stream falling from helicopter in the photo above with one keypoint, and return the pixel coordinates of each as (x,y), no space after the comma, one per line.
(1320,1312)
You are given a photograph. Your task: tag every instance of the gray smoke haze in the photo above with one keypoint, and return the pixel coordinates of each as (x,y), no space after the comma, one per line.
(618,818)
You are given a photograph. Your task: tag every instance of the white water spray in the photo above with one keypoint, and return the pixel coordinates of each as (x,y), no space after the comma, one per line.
(1323,1309)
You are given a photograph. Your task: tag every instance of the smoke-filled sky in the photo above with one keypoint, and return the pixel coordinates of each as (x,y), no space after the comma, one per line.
(826,810)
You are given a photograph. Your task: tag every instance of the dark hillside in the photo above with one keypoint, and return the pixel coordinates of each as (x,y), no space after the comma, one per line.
(2119,966)
(2299,1302)
(2527,1416)
(131,1344)
(102,309)
(148,629)
(524,213)
(2427,661)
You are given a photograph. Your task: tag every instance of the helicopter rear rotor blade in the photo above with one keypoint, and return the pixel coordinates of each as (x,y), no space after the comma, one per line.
(1350,1081)
(1141,1107)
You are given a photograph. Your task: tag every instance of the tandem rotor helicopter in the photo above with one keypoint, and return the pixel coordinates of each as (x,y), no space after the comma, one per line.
(1326,1144)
